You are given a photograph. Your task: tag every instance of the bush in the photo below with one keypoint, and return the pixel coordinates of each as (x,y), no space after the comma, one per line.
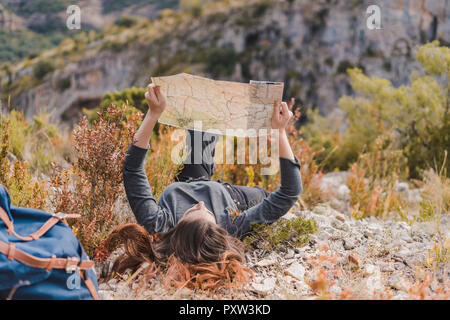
(38,142)
(42,68)
(436,190)
(220,62)
(16,176)
(18,129)
(93,185)
(126,21)
(42,6)
(416,115)
(132,96)
(294,232)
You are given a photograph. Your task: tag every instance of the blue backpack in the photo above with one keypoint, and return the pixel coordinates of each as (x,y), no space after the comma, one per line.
(40,257)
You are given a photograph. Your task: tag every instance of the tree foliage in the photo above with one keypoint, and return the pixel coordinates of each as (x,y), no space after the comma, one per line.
(416,115)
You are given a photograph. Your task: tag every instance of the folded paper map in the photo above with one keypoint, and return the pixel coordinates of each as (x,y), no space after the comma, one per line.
(232,108)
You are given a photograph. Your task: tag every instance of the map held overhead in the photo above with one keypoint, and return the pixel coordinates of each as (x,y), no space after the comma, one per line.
(233,108)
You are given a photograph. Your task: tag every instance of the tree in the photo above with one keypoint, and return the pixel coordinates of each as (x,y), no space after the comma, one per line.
(416,115)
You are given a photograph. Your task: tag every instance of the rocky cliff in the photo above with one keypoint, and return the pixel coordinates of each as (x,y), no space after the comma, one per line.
(306,44)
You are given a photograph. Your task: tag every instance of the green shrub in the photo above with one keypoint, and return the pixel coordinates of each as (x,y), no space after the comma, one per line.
(16,45)
(64,84)
(118,5)
(126,21)
(416,115)
(270,237)
(134,96)
(27,8)
(16,176)
(42,68)
(220,62)
(18,132)
(113,45)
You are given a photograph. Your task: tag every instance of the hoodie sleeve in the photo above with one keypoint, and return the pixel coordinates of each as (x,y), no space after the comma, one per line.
(139,193)
(277,203)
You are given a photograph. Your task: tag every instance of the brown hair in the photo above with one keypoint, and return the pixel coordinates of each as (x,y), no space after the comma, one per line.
(195,253)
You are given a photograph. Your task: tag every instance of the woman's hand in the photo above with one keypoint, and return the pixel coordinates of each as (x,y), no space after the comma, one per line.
(156,104)
(155,100)
(282,114)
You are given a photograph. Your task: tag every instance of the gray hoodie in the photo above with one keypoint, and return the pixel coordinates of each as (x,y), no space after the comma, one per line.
(180,196)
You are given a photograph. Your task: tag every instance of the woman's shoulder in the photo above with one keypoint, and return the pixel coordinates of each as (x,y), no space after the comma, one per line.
(175,185)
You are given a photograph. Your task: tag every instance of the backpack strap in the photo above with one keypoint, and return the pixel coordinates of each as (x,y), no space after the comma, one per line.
(42,230)
(89,284)
(50,223)
(44,263)
(5,218)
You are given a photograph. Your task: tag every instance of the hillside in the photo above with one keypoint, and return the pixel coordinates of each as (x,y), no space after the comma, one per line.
(307,45)
(28,27)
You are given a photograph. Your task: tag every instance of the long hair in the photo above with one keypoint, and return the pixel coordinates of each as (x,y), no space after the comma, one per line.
(197,254)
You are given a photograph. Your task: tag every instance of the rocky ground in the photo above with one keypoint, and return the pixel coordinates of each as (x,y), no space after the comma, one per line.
(346,258)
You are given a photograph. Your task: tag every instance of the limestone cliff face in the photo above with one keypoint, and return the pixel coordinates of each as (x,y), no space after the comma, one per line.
(306,44)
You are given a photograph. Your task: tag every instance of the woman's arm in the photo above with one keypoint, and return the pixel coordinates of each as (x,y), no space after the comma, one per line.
(280,201)
(139,193)
(280,119)
(156,104)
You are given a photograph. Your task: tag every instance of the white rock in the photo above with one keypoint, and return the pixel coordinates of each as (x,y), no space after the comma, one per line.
(102,286)
(401,296)
(398,282)
(335,289)
(340,205)
(301,287)
(296,270)
(387,268)
(266,287)
(370,269)
(112,282)
(340,225)
(349,244)
(288,262)
(321,220)
(402,187)
(289,216)
(332,180)
(341,217)
(343,192)
(265,262)
(322,210)
(374,283)
(414,196)
(404,252)
(105,295)
(290,254)
(429,228)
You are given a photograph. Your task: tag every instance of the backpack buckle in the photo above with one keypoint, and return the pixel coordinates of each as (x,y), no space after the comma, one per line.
(72,267)
(60,215)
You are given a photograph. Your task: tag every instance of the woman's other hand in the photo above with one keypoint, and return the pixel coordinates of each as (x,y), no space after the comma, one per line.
(282,114)
(155,100)
(280,120)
